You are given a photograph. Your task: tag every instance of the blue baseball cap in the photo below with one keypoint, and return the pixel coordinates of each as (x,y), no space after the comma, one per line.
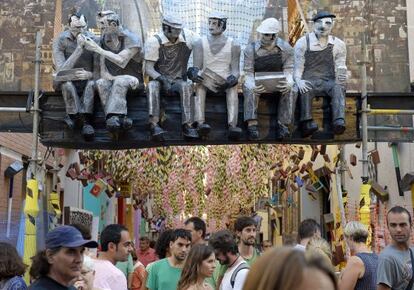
(68,237)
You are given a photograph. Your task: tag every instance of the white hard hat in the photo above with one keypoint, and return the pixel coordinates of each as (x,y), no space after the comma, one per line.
(269,26)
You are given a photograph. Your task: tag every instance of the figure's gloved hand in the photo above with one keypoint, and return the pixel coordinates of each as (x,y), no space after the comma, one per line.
(304,86)
(165,83)
(193,75)
(231,81)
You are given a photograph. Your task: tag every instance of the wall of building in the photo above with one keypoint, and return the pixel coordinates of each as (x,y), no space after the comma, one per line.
(14,147)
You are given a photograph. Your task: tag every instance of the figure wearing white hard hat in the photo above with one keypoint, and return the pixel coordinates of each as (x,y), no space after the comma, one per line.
(269,56)
(320,69)
(166,56)
(216,67)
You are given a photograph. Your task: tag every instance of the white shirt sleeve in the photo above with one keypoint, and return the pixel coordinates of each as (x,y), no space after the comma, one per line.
(339,52)
(240,279)
(299,55)
(151,49)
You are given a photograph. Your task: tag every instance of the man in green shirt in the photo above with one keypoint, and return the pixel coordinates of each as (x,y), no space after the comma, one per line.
(246,228)
(165,273)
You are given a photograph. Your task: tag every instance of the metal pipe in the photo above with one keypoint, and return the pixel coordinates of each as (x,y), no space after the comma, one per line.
(364,110)
(390,112)
(35,110)
(12,110)
(385,128)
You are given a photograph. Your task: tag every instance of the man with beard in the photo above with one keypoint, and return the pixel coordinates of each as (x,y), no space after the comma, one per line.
(320,69)
(396,261)
(220,55)
(165,273)
(226,251)
(246,229)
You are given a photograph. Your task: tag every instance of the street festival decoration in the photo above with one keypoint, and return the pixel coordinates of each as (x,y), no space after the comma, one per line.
(111,67)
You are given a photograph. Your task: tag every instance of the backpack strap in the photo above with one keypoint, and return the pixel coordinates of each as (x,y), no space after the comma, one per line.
(240,267)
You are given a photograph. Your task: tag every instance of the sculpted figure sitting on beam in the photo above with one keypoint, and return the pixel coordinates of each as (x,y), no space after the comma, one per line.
(320,69)
(216,68)
(120,68)
(268,65)
(166,59)
(74,74)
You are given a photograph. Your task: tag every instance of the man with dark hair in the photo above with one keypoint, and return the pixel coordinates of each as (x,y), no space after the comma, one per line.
(396,261)
(60,263)
(308,229)
(165,273)
(146,254)
(227,253)
(116,246)
(197,227)
(246,228)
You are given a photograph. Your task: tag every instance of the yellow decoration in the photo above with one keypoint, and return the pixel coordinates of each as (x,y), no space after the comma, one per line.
(365,201)
(54,200)
(31,210)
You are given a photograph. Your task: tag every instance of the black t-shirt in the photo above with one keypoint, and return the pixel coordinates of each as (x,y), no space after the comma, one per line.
(46,283)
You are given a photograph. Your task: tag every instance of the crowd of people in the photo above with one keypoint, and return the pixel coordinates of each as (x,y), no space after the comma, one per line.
(182,259)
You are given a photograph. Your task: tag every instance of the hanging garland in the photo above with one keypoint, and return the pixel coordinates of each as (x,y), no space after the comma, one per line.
(217,181)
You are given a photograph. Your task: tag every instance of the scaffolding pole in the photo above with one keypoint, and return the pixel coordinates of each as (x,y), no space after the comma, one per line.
(35,138)
(364,111)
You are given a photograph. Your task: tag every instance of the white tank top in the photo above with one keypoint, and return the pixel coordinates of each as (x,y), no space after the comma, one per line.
(219,62)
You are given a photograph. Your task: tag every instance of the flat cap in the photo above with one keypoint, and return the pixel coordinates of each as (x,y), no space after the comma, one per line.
(323,14)
(172,21)
(217,15)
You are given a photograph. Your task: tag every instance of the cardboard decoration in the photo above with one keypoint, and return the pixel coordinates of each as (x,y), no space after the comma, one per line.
(71,172)
(375,157)
(98,187)
(322,151)
(379,191)
(353,160)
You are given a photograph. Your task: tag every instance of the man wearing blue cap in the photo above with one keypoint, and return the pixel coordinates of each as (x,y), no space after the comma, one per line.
(60,263)
(320,69)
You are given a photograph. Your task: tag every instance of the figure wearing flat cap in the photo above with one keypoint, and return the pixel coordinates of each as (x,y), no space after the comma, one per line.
(270,55)
(121,69)
(320,69)
(217,58)
(74,74)
(166,58)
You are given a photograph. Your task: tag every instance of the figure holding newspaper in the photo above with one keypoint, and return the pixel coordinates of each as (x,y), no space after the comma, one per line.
(75,68)
(268,65)
(216,68)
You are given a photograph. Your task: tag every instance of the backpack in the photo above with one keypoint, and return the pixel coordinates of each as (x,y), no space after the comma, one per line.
(240,267)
